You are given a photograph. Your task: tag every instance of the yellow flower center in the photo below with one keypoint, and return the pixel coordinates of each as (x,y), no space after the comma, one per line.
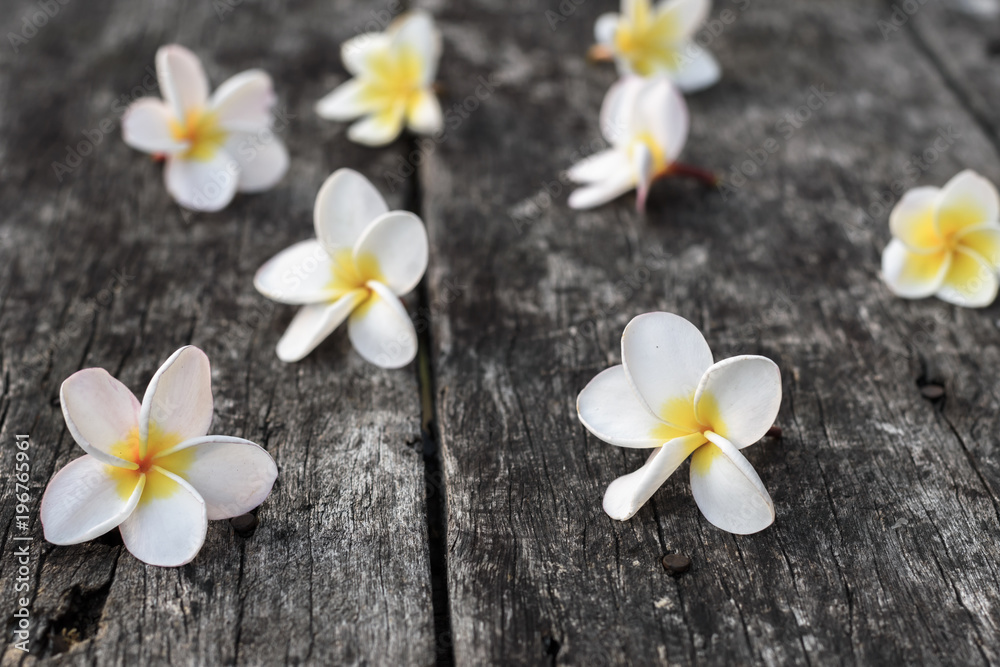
(648,42)
(156,457)
(679,420)
(393,78)
(201,130)
(350,274)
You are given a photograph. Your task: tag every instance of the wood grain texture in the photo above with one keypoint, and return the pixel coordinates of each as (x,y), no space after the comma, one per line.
(888,504)
(337,571)
(885,546)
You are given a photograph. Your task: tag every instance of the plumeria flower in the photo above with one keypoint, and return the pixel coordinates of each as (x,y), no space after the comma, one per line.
(364,257)
(215,145)
(946,243)
(646,123)
(149,469)
(648,40)
(668,395)
(393,82)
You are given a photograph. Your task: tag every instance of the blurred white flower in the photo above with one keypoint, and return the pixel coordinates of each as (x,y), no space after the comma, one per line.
(364,257)
(214,145)
(149,468)
(946,243)
(393,82)
(647,41)
(646,123)
(668,395)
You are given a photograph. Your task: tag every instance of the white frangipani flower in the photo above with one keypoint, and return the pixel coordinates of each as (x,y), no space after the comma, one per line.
(393,82)
(668,395)
(364,257)
(646,123)
(215,145)
(647,41)
(149,468)
(946,243)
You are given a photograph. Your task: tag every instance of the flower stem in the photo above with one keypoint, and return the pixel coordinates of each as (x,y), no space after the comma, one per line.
(599,53)
(690,171)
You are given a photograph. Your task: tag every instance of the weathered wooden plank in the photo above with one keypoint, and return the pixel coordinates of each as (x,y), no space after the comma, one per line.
(962,39)
(102,269)
(884,550)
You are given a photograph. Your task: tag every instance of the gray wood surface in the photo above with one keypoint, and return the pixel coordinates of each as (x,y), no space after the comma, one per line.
(885,546)
(337,571)
(451,511)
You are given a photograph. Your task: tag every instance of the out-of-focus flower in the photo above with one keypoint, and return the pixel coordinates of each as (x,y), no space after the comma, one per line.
(646,123)
(213,145)
(648,40)
(393,82)
(946,243)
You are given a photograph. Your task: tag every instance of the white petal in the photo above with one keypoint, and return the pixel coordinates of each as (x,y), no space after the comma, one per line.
(697,69)
(599,166)
(345,206)
(178,399)
(642,167)
(618,109)
(605,27)
(203,185)
(661,111)
(912,219)
(627,494)
(299,274)
(912,275)
(415,30)
(169,524)
(727,489)
(100,413)
(609,408)
(967,200)
(684,16)
(381,330)
(380,128)
(313,323)
(664,357)
(146,127)
(739,398)
(232,475)
(82,501)
(243,103)
(971,281)
(356,51)
(345,102)
(602,192)
(261,156)
(424,115)
(398,240)
(183,83)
